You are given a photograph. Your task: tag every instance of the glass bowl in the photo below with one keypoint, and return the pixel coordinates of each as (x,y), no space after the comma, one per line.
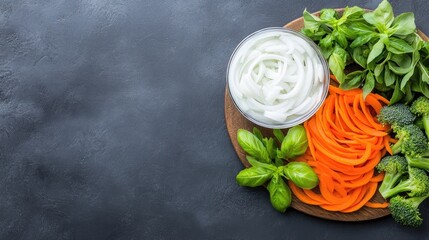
(258,117)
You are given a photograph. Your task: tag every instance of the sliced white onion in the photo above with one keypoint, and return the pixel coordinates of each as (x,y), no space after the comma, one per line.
(276,76)
(276,116)
(301,107)
(308,80)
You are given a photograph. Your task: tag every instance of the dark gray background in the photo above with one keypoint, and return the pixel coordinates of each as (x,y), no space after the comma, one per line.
(112,123)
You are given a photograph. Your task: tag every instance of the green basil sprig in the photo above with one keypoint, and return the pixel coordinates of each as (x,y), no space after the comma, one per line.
(394,59)
(301,174)
(252,145)
(294,144)
(254,176)
(267,157)
(280,194)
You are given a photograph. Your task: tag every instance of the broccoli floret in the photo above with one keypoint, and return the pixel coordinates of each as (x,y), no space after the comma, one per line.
(419,161)
(406,210)
(416,185)
(419,123)
(420,107)
(411,140)
(396,115)
(394,167)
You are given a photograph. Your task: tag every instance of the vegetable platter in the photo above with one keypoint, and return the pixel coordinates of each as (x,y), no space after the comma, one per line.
(380,77)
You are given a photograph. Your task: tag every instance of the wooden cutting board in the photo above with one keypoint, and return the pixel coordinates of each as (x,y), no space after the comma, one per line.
(234,121)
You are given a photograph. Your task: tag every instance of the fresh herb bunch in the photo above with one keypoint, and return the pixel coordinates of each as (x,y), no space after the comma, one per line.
(267,158)
(390,55)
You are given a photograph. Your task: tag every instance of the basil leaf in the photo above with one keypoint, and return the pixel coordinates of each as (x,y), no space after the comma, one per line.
(424,46)
(340,38)
(397,94)
(253,176)
(389,77)
(409,95)
(269,145)
(280,194)
(424,58)
(327,41)
(400,63)
(379,80)
(252,145)
(382,88)
(361,28)
(415,86)
(406,78)
(337,63)
(301,174)
(279,135)
(378,70)
(361,40)
(424,88)
(404,24)
(326,52)
(278,161)
(295,143)
(377,60)
(399,46)
(424,73)
(311,22)
(369,84)
(380,67)
(382,17)
(353,12)
(347,32)
(353,80)
(376,50)
(371,65)
(315,36)
(328,15)
(257,133)
(256,163)
(358,56)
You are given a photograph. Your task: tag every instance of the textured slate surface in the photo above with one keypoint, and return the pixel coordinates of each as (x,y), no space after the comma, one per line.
(112,125)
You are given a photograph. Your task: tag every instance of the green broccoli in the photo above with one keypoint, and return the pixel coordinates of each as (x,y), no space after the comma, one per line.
(420,107)
(394,167)
(419,161)
(406,210)
(419,123)
(416,185)
(411,140)
(396,115)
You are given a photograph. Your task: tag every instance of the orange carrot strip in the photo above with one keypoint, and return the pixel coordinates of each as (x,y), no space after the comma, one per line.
(378,178)
(346,203)
(339,91)
(381,99)
(377,205)
(368,195)
(387,145)
(299,193)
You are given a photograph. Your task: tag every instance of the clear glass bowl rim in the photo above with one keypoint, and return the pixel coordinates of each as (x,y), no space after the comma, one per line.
(302,118)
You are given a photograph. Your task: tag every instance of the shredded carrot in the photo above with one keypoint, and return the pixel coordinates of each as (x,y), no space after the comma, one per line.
(333,77)
(387,146)
(378,178)
(346,142)
(377,205)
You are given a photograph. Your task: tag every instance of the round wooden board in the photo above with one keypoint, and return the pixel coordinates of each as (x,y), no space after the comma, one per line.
(234,121)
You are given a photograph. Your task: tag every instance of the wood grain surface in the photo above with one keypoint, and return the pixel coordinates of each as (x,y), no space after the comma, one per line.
(234,121)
